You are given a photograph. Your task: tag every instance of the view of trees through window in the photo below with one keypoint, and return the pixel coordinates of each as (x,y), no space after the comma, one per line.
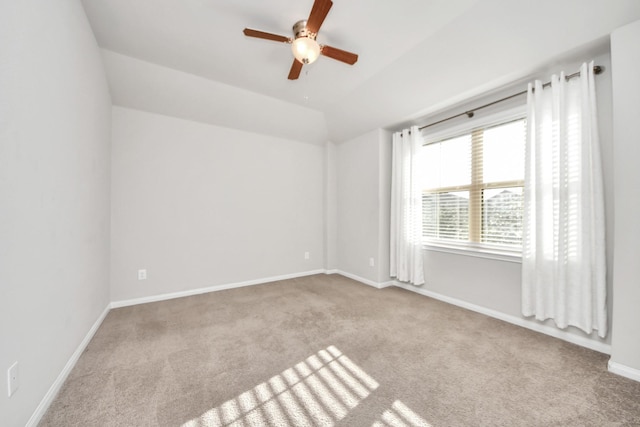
(502,216)
(473,186)
(446,215)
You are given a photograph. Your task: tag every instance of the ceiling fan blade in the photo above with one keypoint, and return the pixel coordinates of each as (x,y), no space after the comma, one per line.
(296,67)
(319,11)
(262,35)
(339,55)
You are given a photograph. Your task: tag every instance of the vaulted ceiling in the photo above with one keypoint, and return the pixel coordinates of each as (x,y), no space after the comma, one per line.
(414,55)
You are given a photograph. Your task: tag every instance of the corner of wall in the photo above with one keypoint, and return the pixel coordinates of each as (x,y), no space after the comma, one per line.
(54,158)
(625,61)
(330,207)
(384,204)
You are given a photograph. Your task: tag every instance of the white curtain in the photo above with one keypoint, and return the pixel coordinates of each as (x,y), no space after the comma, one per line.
(406,208)
(563,255)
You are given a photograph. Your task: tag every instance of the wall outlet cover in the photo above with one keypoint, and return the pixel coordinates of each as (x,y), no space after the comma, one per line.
(13,379)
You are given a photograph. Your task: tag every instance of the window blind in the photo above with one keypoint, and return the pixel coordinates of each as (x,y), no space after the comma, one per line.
(473,186)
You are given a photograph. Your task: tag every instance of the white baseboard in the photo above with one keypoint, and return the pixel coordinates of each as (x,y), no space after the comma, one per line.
(62,377)
(624,371)
(614,367)
(377,285)
(538,327)
(190,292)
(383,285)
(545,329)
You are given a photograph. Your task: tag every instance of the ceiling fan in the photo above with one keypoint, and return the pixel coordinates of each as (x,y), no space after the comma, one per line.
(304,45)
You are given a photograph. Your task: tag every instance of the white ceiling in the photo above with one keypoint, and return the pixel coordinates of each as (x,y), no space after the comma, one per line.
(415,57)
(204,37)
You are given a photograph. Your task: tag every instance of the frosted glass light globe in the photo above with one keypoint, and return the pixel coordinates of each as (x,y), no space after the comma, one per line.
(305,49)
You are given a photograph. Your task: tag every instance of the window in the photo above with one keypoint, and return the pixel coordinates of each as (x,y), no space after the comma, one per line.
(473,186)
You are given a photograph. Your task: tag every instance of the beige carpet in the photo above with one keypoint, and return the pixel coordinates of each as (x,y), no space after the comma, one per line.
(325,350)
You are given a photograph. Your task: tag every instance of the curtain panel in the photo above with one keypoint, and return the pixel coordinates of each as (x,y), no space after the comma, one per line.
(563,257)
(406,208)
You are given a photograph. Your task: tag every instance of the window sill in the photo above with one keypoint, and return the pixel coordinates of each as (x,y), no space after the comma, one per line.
(479,252)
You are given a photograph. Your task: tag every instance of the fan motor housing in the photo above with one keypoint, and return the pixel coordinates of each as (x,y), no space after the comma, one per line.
(300,30)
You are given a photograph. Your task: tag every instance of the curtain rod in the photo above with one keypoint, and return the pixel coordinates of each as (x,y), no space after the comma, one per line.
(597,69)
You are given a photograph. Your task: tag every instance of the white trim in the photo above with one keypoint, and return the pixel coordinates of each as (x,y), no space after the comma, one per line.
(545,329)
(613,367)
(358,279)
(388,284)
(624,371)
(475,252)
(46,401)
(377,285)
(190,292)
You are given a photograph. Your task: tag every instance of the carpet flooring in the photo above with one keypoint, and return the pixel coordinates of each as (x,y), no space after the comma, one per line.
(325,350)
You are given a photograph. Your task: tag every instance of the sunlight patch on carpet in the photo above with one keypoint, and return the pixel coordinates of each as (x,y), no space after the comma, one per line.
(399,415)
(320,390)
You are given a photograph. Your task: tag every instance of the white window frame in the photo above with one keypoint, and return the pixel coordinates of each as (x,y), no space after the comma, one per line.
(482,250)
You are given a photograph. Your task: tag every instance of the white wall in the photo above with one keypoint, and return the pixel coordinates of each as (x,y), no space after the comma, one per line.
(54,194)
(496,284)
(494,43)
(200,205)
(384,205)
(489,284)
(150,87)
(625,56)
(184,208)
(363,195)
(330,208)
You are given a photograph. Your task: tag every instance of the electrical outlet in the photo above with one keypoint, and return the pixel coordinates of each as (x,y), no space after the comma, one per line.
(142,274)
(372,262)
(306,255)
(13,380)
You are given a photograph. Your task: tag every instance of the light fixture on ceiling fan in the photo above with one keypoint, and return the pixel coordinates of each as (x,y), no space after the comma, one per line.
(304,46)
